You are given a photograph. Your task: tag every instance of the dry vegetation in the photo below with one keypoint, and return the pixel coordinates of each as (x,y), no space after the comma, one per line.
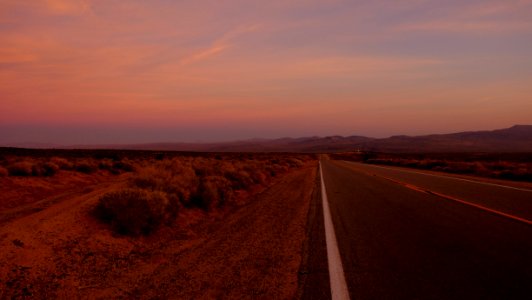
(121,224)
(514,166)
(159,184)
(158,190)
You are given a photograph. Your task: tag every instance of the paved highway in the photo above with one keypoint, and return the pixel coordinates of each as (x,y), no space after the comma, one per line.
(396,241)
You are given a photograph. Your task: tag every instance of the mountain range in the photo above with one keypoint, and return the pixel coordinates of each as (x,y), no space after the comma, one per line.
(517,138)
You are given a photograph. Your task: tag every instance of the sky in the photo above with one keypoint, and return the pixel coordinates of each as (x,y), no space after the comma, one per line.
(114,71)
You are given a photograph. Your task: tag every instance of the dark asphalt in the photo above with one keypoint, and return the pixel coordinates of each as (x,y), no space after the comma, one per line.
(516,202)
(397,243)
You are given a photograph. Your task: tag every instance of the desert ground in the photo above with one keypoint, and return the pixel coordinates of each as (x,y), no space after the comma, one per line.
(108,224)
(200,226)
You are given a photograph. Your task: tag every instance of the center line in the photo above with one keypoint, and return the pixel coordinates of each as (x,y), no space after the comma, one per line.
(336,272)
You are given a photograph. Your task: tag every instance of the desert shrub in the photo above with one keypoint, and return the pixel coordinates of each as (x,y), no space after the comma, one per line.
(243,180)
(3,172)
(62,163)
(136,211)
(151,178)
(294,162)
(105,164)
(214,191)
(258,177)
(174,179)
(124,165)
(23,168)
(85,167)
(44,169)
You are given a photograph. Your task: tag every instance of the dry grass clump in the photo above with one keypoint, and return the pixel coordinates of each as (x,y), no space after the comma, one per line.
(136,211)
(45,169)
(32,168)
(62,163)
(214,191)
(3,172)
(85,166)
(116,166)
(21,168)
(125,165)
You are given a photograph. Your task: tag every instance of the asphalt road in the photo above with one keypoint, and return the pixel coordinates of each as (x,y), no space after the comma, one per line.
(397,242)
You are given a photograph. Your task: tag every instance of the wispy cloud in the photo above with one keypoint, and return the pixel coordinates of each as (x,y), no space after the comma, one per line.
(204,54)
(218,46)
(68,6)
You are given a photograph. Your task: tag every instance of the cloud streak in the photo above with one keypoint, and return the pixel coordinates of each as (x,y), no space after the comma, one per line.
(219,45)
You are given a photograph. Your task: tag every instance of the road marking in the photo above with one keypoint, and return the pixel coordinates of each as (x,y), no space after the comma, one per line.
(490,210)
(450,177)
(336,272)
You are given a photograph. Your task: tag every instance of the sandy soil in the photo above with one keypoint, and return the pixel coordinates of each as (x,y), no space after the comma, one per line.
(253,251)
(20,196)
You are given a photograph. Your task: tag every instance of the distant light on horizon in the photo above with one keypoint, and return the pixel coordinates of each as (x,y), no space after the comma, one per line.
(93,72)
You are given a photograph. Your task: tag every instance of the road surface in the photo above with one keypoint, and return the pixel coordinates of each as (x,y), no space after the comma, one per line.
(398,241)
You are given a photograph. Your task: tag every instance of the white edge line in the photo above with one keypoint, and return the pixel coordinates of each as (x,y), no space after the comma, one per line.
(336,272)
(443,176)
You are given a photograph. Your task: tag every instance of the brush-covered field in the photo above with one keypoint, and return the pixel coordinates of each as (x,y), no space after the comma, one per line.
(74,222)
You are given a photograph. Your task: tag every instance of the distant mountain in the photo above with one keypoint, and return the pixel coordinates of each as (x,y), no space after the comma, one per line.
(514,139)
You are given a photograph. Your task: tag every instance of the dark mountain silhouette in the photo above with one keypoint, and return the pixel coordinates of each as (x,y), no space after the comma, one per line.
(514,139)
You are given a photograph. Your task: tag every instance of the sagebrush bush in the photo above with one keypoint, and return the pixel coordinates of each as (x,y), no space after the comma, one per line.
(22,168)
(85,167)
(44,169)
(3,172)
(124,165)
(136,211)
(175,180)
(214,191)
(62,163)
(106,164)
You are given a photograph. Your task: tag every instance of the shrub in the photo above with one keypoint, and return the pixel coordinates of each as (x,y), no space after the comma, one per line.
(174,179)
(62,163)
(105,164)
(48,169)
(243,180)
(23,168)
(295,163)
(136,211)
(3,172)
(124,165)
(258,177)
(214,191)
(85,167)
(149,178)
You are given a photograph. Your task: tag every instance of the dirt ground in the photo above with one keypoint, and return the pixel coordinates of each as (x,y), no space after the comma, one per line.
(254,251)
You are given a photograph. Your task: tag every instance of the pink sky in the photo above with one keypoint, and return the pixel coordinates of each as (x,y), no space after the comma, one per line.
(100,71)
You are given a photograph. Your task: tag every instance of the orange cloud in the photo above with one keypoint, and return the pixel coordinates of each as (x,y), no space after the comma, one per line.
(204,54)
(68,6)
(218,45)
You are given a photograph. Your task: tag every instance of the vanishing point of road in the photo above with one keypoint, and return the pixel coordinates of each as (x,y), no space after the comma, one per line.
(406,234)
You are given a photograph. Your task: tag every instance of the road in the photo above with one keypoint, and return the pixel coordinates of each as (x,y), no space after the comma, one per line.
(397,241)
